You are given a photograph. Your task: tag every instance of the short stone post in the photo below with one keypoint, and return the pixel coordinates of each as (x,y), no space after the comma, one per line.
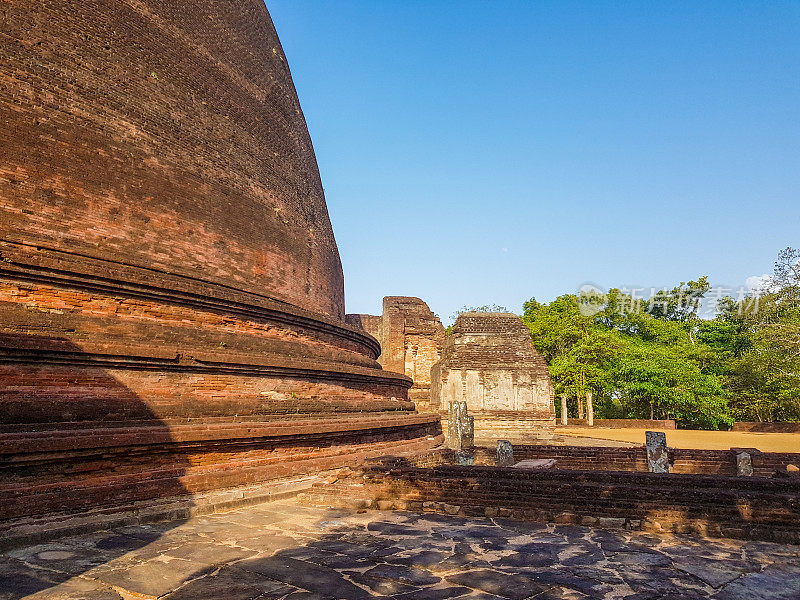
(744,464)
(465,458)
(564,409)
(467,428)
(460,427)
(454,423)
(505,454)
(589,410)
(657,453)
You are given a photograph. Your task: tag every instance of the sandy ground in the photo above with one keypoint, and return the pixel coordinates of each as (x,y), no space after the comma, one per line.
(705,440)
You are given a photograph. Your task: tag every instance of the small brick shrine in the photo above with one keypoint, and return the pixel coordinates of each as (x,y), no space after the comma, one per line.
(489,362)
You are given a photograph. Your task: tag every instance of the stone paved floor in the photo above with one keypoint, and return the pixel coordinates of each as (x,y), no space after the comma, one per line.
(283,550)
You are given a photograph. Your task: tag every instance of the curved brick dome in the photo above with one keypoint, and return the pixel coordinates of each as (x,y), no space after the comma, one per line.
(171,295)
(168,137)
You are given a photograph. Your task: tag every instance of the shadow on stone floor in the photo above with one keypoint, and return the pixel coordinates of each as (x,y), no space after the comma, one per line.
(61,422)
(290,552)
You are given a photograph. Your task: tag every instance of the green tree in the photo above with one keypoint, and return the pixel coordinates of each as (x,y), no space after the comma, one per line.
(579,350)
(658,381)
(764,378)
(659,358)
(636,364)
(681,303)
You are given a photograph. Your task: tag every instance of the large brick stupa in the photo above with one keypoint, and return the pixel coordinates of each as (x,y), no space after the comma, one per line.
(171,295)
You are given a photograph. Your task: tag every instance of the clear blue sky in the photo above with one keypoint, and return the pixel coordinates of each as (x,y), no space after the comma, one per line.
(489,152)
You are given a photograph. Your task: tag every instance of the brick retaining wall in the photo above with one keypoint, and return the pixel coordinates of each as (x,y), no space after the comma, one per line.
(171,293)
(766,427)
(625,423)
(601,458)
(715,506)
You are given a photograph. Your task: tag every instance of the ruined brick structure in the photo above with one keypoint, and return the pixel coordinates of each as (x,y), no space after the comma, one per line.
(171,294)
(708,505)
(681,460)
(489,362)
(411,338)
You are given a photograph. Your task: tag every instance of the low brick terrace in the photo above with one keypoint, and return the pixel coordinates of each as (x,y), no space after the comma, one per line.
(588,486)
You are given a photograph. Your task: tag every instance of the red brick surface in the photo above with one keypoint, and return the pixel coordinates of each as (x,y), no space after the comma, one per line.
(411,339)
(708,505)
(171,295)
(766,427)
(625,423)
(165,136)
(603,458)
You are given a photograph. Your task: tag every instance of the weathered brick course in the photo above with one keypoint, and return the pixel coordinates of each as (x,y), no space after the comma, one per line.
(165,137)
(766,427)
(682,460)
(707,505)
(489,362)
(411,339)
(171,294)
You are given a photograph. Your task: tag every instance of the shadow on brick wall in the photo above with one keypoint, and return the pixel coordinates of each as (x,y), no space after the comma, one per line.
(80,452)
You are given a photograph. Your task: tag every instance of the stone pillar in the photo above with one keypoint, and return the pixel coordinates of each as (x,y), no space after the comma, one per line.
(465,458)
(589,410)
(467,429)
(580,407)
(744,464)
(564,409)
(454,426)
(460,427)
(657,453)
(505,454)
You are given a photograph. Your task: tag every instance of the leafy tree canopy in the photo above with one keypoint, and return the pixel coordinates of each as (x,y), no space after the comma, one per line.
(659,359)
(636,364)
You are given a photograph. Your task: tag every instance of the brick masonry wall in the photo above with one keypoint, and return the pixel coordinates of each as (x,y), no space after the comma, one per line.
(737,507)
(171,294)
(516,427)
(489,362)
(625,423)
(602,458)
(766,427)
(164,137)
(154,462)
(411,338)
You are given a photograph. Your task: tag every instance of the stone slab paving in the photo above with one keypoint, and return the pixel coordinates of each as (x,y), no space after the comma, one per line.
(293,552)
